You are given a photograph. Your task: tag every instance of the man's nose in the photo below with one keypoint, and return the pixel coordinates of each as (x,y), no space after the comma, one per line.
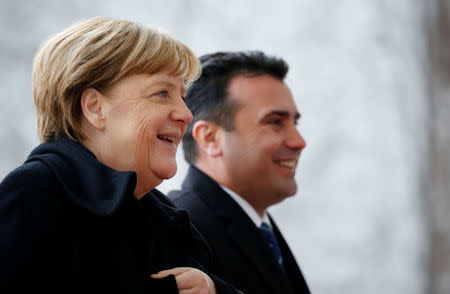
(295,139)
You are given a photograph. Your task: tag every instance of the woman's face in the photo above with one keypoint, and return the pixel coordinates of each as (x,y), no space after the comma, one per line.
(146,117)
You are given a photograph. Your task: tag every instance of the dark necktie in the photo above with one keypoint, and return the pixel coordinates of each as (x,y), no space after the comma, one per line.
(271,240)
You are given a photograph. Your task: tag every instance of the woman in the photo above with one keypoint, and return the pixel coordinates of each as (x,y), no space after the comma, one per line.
(80,214)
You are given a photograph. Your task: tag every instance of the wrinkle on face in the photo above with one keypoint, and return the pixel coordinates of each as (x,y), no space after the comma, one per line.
(143,130)
(136,114)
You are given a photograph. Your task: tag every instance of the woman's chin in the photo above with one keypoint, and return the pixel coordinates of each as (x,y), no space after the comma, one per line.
(167,172)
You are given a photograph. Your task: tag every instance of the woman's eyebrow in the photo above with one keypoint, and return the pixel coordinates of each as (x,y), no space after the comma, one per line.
(166,84)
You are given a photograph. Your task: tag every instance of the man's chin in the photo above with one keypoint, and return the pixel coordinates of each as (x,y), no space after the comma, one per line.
(290,189)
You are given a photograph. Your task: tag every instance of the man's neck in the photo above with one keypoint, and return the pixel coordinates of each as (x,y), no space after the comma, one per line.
(218,174)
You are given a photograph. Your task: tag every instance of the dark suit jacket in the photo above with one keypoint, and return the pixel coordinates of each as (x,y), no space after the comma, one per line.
(70,224)
(241,256)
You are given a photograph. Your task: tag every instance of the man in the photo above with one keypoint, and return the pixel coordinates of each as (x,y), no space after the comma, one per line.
(243,147)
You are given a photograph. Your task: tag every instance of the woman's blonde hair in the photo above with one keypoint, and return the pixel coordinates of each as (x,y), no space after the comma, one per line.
(95,53)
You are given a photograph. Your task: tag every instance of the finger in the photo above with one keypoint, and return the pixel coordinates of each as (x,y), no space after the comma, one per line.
(173,271)
(192,279)
(187,291)
(183,277)
(186,280)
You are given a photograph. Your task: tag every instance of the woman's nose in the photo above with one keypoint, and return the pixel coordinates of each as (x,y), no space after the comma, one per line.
(182,113)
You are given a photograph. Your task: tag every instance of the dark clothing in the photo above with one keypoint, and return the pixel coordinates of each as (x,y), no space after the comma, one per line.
(71,224)
(240,254)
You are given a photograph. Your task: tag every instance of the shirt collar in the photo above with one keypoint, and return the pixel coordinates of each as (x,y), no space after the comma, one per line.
(249,210)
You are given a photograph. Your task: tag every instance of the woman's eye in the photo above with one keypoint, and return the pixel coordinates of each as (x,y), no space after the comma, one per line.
(163,93)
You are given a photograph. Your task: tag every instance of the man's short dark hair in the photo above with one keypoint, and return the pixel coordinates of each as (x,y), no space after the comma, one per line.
(207,97)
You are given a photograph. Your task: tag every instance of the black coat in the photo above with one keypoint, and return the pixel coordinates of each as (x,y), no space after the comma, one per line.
(241,256)
(71,224)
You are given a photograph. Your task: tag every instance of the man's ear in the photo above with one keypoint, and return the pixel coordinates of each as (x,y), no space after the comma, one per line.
(92,107)
(208,136)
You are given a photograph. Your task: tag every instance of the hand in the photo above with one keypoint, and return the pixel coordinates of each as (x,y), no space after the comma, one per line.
(189,280)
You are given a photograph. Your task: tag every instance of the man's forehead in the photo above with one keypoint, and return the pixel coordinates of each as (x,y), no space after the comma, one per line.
(262,95)
(263,86)
(268,109)
(273,105)
(250,81)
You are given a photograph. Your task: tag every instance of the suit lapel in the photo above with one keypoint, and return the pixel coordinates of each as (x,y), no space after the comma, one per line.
(249,240)
(240,229)
(290,264)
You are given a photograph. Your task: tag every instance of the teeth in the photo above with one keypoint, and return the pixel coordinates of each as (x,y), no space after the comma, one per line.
(171,139)
(288,164)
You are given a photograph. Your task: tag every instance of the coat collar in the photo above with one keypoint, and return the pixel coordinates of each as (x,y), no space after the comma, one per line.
(86,180)
(239,227)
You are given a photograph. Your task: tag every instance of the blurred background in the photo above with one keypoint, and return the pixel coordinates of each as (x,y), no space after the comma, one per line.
(372,81)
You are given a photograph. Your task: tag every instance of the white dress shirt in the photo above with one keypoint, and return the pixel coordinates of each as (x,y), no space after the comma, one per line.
(249,210)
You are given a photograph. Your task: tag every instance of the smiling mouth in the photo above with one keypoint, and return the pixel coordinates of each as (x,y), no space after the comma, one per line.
(167,139)
(291,164)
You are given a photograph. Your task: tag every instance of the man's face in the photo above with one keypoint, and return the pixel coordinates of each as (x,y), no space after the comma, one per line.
(261,153)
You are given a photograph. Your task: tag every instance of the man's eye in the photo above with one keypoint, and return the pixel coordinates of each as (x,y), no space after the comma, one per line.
(275,122)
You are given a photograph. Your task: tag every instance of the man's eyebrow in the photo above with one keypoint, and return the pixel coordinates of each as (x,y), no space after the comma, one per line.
(282,113)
